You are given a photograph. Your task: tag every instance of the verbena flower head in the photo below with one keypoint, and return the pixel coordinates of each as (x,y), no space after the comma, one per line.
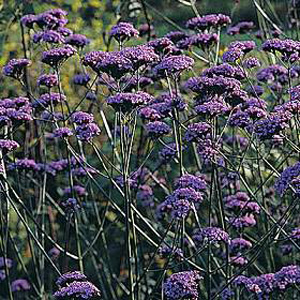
(86,132)
(123,31)
(20,285)
(78,290)
(286,177)
(150,113)
(272,125)
(48,36)
(78,189)
(62,132)
(176,36)
(6,262)
(239,244)
(145,195)
(272,73)
(295,234)
(182,285)
(244,46)
(232,55)
(77,40)
(115,64)
(167,252)
(8,145)
(174,65)
(215,86)
(15,67)
(197,131)
(51,19)
(56,56)
(191,181)
(161,45)
(157,129)
(140,56)
(24,164)
(64,31)
(179,203)
(287,276)
(93,58)
(240,28)
(81,117)
(201,40)
(248,220)
(48,80)
(128,101)
(225,70)
(49,99)
(71,205)
(81,79)
(28,20)
(289,49)
(208,21)
(251,62)
(212,235)
(69,277)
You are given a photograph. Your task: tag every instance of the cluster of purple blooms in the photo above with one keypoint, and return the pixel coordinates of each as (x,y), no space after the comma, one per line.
(188,194)
(264,285)
(243,208)
(74,285)
(182,285)
(86,128)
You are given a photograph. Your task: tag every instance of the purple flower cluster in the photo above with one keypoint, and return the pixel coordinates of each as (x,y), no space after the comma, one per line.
(241,27)
(49,99)
(245,210)
(201,40)
(15,110)
(48,80)
(75,285)
(50,19)
(145,195)
(20,285)
(123,31)
(182,285)
(189,192)
(173,65)
(78,189)
(86,129)
(15,67)
(62,132)
(48,36)
(212,235)
(157,129)
(225,70)
(77,40)
(81,79)
(56,56)
(208,21)
(167,252)
(129,101)
(289,49)
(263,285)
(286,178)
(197,131)
(8,145)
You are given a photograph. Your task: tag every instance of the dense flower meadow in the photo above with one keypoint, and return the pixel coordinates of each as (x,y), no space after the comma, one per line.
(173,174)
